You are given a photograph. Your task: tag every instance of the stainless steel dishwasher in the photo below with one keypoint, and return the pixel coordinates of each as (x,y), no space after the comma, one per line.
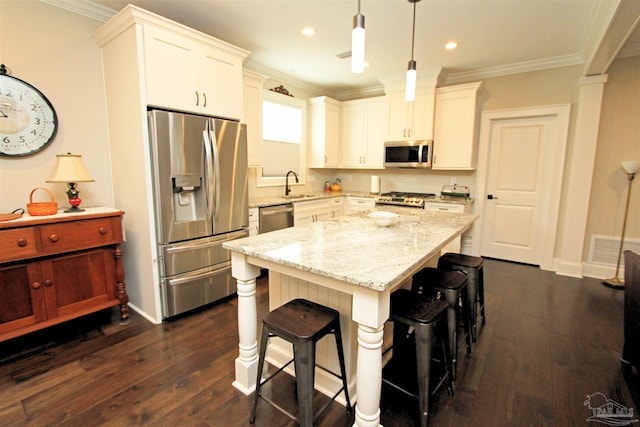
(276,217)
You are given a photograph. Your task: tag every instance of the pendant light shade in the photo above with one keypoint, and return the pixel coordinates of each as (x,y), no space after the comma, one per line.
(357,43)
(410,87)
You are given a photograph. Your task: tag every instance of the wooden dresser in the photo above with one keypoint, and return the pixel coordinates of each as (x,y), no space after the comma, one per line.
(59,267)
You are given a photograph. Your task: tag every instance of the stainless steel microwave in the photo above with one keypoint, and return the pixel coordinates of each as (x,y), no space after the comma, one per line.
(408,154)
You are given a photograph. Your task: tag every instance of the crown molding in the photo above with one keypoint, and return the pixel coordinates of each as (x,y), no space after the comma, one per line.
(517,68)
(631,49)
(84,8)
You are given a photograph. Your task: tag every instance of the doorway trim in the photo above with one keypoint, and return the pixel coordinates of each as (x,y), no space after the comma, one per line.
(549,225)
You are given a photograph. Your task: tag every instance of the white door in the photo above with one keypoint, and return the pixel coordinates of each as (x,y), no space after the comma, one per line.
(521,185)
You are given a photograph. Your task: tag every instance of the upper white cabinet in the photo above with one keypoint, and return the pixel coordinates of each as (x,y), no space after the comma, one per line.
(252,116)
(454,145)
(364,124)
(179,68)
(324,123)
(411,120)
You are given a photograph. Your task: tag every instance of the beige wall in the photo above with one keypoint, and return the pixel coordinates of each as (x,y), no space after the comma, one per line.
(53,50)
(618,140)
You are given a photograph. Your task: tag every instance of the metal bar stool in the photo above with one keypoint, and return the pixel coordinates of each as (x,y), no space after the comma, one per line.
(419,323)
(302,323)
(472,267)
(452,285)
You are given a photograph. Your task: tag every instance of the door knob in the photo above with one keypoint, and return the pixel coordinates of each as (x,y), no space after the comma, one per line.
(491,197)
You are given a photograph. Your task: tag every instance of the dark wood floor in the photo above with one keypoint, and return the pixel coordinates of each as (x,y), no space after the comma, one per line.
(549,342)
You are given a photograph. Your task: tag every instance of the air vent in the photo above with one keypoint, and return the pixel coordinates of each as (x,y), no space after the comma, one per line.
(604,249)
(344,55)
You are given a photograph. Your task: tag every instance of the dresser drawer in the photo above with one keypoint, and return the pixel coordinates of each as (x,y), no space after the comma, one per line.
(78,235)
(17,243)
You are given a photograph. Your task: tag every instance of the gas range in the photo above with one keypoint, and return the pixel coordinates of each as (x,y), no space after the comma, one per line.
(398,198)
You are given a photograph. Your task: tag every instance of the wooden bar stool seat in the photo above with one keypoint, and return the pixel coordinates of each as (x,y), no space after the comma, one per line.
(302,323)
(418,323)
(452,285)
(472,267)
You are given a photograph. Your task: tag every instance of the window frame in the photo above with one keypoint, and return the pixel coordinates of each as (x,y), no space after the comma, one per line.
(278,98)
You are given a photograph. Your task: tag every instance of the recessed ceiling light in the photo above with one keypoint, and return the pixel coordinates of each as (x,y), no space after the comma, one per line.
(308,31)
(451,45)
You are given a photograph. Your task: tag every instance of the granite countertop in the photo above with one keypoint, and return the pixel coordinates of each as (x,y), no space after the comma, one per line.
(355,250)
(264,201)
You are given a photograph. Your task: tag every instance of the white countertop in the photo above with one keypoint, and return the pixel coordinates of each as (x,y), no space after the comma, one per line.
(353,249)
(264,201)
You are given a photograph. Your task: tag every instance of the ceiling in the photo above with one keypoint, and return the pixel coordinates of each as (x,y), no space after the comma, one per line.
(494,36)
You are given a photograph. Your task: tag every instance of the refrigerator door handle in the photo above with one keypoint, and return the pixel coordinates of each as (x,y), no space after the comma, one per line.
(199,276)
(216,169)
(209,167)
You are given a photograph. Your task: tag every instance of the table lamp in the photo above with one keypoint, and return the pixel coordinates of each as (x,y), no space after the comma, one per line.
(70,169)
(631,168)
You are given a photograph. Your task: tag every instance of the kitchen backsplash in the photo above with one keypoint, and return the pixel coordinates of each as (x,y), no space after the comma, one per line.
(422,181)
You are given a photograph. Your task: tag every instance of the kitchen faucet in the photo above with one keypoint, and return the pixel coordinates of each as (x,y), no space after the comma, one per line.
(287,189)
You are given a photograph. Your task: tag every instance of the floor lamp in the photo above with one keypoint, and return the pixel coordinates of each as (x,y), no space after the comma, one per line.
(630,167)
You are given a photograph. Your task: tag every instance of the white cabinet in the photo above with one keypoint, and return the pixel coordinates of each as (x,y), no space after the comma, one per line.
(252,115)
(411,120)
(336,207)
(454,146)
(364,124)
(324,122)
(455,245)
(254,221)
(197,74)
(359,204)
(311,211)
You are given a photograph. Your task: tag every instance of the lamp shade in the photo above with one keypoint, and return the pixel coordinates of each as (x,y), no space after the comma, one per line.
(70,168)
(630,166)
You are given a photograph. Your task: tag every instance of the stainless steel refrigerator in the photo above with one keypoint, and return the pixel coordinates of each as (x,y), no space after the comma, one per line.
(201,201)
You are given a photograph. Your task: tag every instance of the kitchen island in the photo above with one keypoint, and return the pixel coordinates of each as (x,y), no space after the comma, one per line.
(350,264)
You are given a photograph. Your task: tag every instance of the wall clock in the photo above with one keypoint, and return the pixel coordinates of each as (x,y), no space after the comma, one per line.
(28,121)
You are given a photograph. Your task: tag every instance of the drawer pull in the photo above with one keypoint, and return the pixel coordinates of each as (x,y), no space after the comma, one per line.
(22,242)
(35,285)
(102,231)
(54,237)
(48,283)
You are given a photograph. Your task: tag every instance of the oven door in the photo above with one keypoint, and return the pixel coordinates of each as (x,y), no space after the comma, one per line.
(408,154)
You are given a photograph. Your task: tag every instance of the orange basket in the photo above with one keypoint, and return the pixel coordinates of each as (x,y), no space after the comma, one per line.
(41,208)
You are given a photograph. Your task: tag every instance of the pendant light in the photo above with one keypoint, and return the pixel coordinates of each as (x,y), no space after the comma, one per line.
(357,43)
(410,88)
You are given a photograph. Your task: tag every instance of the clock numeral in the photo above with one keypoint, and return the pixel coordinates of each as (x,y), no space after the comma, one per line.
(37,120)
(34,107)
(21,139)
(6,140)
(34,132)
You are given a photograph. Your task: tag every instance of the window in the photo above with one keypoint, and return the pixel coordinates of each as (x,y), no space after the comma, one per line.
(284,138)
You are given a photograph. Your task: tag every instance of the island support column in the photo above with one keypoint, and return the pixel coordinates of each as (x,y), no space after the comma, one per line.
(370,310)
(247,360)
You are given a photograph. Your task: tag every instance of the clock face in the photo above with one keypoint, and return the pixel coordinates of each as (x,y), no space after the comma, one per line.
(28,122)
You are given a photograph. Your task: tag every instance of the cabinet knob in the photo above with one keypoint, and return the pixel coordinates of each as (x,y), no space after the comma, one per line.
(22,242)
(197,99)
(48,283)
(54,237)
(35,285)
(102,231)
(204,96)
